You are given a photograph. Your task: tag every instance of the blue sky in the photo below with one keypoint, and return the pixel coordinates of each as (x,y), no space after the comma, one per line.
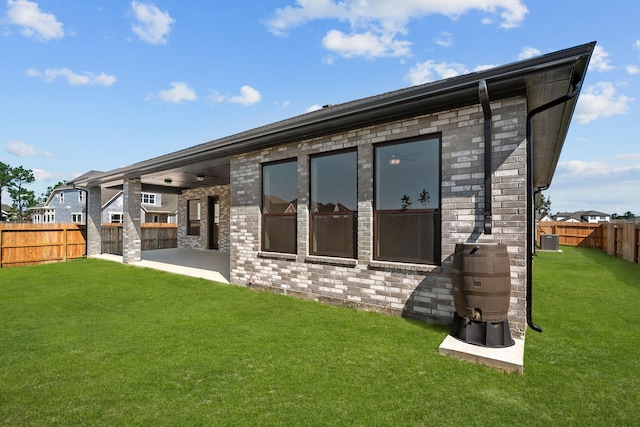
(99,84)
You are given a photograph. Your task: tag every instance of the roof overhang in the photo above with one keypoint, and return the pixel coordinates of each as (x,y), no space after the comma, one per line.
(540,79)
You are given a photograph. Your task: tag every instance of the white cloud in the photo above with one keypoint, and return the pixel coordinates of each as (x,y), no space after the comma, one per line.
(314,107)
(608,185)
(51,74)
(366,44)
(600,101)
(179,92)
(636,45)
(34,22)
(375,25)
(22,149)
(528,52)
(600,60)
(42,175)
(248,96)
(445,39)
(429,71)
(633,69)
(152,25)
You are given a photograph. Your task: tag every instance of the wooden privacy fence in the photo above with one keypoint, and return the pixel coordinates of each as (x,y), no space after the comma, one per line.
(622,240)
(579,234)
(26,244)
(619,239)
(154,236)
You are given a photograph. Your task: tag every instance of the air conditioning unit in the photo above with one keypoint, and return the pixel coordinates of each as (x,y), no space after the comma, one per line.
(549,242)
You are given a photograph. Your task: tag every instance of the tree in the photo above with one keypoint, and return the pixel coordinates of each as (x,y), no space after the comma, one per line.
(44,196)
(22,198)
(544,206)
(5,178)
(627,215)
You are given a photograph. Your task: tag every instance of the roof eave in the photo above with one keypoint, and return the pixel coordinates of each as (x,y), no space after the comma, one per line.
(503,82)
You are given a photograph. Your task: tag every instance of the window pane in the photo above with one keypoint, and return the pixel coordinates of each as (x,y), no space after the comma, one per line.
(334,201)
(333,235)
(193,217)
(408,175)
(279,233)
(279,206)
(280,188)
(407,202)
(334,183)
(410,237)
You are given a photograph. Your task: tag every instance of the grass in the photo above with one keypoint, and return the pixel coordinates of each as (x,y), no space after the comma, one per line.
(90,342)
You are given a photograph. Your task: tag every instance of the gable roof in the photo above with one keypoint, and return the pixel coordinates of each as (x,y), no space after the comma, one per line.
(541,79)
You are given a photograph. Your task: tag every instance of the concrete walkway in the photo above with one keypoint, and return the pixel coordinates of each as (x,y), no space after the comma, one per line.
(205,264)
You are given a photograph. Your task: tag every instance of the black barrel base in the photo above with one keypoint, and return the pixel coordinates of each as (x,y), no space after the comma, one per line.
(486,334)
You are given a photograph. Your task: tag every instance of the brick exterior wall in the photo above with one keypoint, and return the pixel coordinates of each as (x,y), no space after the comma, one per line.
(418,291)
(131,226)
(202,240)
(94,227)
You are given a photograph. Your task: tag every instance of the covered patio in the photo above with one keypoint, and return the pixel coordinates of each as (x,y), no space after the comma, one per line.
(206,264)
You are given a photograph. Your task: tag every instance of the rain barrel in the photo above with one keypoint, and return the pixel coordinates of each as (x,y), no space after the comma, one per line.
(481,281)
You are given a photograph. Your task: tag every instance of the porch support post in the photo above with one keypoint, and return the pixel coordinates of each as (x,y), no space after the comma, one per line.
(94,221)
(131,228)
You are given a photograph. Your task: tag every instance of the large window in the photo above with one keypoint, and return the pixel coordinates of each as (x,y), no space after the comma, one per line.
(193,217)
(279,206)
(407,201)
(334,204)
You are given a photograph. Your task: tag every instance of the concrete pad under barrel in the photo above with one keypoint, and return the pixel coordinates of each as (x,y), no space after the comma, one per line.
(508,359)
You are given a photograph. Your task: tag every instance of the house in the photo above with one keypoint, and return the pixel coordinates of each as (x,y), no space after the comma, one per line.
(5,212)
(67,204)
(154,207)
(64,205)
(414,172)
(592,217)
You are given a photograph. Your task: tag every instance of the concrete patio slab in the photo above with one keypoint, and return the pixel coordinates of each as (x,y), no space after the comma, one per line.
(509,359)
(210,265)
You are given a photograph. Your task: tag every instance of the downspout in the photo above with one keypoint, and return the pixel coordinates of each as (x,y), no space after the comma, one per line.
(486,109)
(531,194)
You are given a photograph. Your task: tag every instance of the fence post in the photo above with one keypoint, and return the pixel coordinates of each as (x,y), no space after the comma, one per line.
(64,243)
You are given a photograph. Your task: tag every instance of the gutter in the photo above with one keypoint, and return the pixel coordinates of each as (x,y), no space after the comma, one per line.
(531,192)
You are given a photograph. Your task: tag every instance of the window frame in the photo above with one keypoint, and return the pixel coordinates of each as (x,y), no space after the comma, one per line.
(353,214)
(117,216)
(149,197)
(265,217)
(435,212)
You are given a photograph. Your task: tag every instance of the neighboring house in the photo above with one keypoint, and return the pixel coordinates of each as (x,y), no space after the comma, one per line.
(64,205)
(592,217)
(544,218)
(5,212)
(363,203)
(154,207)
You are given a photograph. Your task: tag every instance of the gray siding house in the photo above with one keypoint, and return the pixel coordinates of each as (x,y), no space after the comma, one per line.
(67,204)
(64,205)
(362,204)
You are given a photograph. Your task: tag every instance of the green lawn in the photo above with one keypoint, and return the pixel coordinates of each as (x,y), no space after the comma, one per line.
(91,342)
